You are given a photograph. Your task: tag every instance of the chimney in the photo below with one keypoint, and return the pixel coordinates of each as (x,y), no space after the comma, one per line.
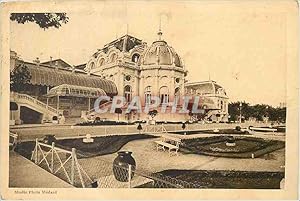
(73,69)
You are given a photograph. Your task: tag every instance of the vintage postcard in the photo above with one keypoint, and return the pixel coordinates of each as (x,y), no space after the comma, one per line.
(149,100)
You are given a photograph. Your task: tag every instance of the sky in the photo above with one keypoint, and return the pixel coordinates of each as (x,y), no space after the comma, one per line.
(239,45)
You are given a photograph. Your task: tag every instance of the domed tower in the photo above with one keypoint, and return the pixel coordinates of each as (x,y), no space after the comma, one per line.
(162,73)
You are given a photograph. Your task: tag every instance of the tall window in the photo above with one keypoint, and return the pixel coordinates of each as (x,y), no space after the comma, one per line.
(177,95)
(164,95)
(92,66)
(148,95)
(101,62)
(113,57)
(135,57)
(127,93)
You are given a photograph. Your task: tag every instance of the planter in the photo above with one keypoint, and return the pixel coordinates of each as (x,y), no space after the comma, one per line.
(230,142)
(88,139)
(48,139)
(121,166)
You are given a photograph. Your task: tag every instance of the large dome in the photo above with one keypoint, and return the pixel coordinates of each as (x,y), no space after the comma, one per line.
(162,54)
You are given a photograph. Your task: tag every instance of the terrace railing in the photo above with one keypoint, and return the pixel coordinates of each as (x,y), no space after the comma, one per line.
(13,140)
(60,162)
(26,99)
(158,128)
(96,172)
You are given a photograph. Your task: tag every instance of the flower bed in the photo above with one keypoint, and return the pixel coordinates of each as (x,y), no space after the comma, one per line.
(100,146)
(246,147)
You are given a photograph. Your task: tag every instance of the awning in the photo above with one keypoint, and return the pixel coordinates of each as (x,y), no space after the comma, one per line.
(75,91)
(49,76)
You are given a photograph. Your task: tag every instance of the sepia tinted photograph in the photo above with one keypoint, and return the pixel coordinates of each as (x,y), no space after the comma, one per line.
(150,95)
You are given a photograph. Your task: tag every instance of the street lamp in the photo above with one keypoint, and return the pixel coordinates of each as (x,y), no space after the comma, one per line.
(240,112)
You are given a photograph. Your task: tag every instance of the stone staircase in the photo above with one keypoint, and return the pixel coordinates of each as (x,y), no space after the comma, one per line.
(28,101)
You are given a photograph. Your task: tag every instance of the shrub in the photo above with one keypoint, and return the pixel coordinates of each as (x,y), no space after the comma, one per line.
(238,128)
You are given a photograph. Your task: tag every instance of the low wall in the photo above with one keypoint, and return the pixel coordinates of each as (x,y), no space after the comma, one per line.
(32,133)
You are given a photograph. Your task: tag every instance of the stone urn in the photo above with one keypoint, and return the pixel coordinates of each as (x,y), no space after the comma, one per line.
(88,139)
(121,166)
(48,139)
(230,142)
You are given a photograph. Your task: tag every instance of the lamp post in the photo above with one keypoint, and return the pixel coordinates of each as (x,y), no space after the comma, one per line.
(240,112)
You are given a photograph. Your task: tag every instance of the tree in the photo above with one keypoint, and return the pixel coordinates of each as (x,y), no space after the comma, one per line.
(19,78)
(44,20)
(118,111)
(257,111)
(233,110)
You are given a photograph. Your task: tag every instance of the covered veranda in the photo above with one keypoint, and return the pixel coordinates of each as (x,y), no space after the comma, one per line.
(72,99)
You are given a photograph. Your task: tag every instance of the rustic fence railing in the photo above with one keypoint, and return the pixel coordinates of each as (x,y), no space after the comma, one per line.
(60,162)
(96,172)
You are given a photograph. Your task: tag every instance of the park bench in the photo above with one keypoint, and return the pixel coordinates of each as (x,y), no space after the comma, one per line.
(13,139)
(172,143)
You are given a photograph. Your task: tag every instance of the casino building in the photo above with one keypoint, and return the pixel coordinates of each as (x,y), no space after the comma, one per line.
(126,67)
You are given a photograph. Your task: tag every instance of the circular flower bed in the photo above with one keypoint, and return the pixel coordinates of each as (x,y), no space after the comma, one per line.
(244,146)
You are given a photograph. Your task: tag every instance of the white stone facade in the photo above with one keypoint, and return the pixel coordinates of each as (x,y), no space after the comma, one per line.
(142,70)
(156,70)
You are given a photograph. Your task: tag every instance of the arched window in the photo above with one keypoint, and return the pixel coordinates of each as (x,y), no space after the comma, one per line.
(113,57)
(164,95)
(164,80)
(92,65)
(127,93)
(148,95)
(177,95)
(135,57)
(101,62)
(111,77)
